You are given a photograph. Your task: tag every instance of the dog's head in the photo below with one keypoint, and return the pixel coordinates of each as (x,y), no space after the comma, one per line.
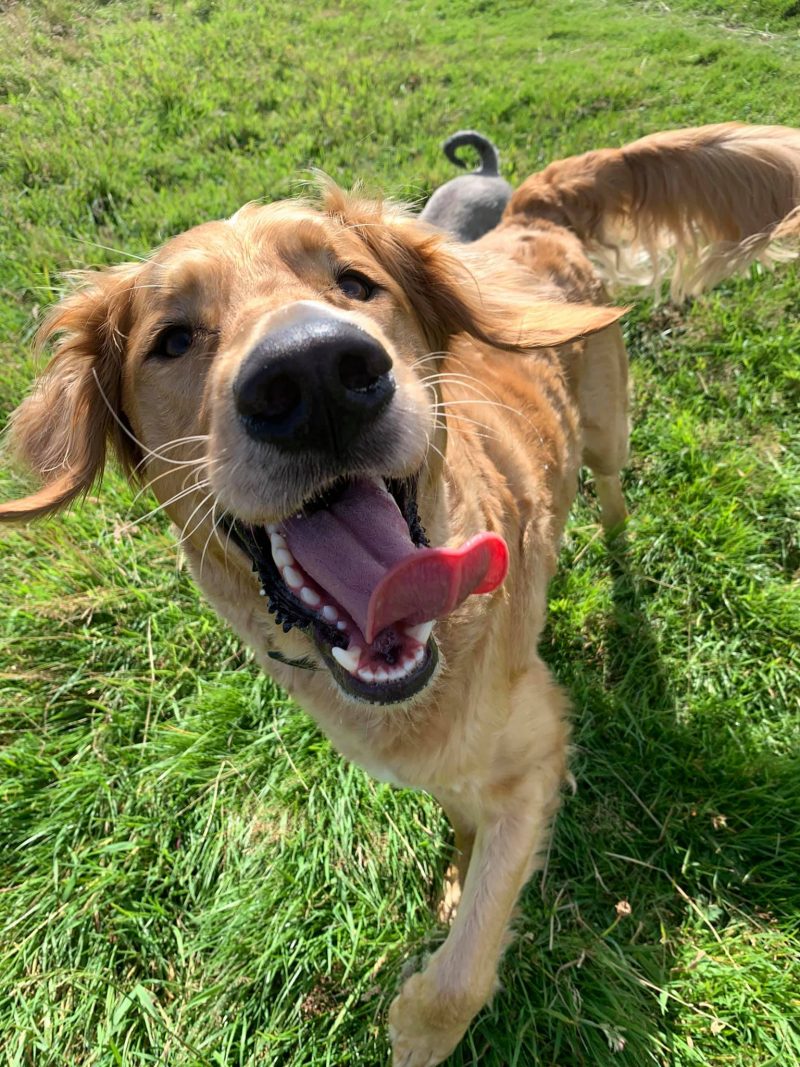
(267,376)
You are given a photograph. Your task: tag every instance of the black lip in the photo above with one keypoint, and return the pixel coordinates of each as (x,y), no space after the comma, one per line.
(289,610)
(383,693)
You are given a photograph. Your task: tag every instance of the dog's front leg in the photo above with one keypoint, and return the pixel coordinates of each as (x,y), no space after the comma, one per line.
(432,1011)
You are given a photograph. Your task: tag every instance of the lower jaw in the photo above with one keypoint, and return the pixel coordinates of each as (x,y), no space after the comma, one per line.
(381,693)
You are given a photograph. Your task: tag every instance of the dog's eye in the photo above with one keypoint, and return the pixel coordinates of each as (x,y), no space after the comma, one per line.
(355,287)
(174,342)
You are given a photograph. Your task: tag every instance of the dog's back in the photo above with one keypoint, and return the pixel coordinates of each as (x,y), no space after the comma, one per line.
(712,198)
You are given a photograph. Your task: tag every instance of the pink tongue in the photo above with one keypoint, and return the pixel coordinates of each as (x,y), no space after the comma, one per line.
(360,552)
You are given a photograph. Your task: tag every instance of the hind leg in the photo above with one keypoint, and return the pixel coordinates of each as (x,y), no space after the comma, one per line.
(602,391)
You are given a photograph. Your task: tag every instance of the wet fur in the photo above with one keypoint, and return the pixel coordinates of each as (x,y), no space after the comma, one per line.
(468,331)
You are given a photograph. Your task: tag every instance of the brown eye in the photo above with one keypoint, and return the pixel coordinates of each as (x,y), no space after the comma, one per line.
(174,342)
(355,287)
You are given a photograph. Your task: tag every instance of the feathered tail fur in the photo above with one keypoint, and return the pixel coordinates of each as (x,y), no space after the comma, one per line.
(713,198)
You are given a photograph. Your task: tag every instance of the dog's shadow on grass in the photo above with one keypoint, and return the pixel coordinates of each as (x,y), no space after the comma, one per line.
(675,852)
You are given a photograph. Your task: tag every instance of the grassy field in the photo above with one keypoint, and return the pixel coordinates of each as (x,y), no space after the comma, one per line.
(189,875)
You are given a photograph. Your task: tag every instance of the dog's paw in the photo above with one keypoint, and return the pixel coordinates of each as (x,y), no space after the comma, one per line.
(422,1034)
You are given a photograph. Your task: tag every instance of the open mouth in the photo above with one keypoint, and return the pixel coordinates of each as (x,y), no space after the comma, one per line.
(353,568)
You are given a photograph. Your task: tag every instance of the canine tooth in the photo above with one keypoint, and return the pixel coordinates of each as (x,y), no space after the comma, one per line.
(262,592)
(341,625)
(422,632)
(277,541)
(293,578)
(408,664)
(419,655)
(366,675)
(308,596)
(330,614)
(282,557)
(347,658)
(272,528)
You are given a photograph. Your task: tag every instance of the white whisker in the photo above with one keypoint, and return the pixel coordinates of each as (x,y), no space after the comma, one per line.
(125,429)
(175,443)
(158,477)
(429,445)
(490,435)
(214,524)
(429,357)
(168,503)
(184,536)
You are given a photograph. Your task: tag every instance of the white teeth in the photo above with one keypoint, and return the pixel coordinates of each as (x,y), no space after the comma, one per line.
(384,674)
(387,674)
(422,632)
(282,557)
(340,625)
(280,552)
(330,614)
(308,596)
(293,578)
(347,658)
(262,592)
(272,528)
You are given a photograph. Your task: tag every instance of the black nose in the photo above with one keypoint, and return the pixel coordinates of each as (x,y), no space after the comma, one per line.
(315,382)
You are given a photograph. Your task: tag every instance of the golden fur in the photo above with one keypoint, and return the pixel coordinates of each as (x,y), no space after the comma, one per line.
(713,195)
(496,422)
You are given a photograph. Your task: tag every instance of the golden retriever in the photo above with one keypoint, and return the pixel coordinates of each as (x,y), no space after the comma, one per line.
(371,438)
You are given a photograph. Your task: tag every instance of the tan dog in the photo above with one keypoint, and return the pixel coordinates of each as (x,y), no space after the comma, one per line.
(306,388)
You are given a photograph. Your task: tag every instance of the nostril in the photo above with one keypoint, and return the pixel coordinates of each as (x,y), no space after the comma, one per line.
(355,375)
(280,398)
(363,366)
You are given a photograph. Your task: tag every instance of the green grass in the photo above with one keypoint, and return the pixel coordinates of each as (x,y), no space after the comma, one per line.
(188,874)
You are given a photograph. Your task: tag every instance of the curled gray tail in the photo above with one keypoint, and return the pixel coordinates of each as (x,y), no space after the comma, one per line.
(490,160)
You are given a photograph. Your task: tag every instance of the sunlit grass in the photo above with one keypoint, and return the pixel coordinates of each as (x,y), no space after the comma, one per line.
(188,874)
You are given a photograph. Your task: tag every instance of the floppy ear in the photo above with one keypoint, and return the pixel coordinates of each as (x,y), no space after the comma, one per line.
(455,290)
(62,429)
(495,300)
